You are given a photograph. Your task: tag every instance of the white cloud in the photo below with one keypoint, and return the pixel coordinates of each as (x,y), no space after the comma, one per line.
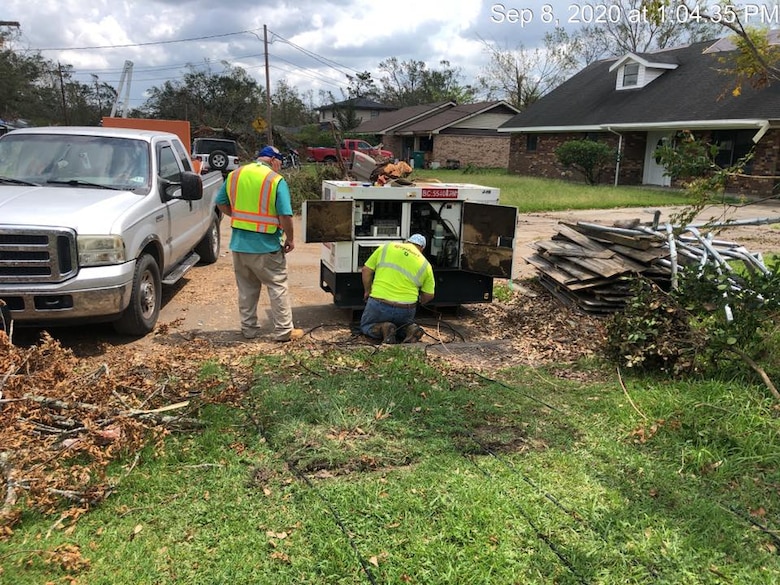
(315,43)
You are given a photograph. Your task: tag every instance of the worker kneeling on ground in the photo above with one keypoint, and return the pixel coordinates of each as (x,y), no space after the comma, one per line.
(395,277)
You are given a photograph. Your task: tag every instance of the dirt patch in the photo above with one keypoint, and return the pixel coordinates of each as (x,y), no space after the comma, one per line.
(532,328)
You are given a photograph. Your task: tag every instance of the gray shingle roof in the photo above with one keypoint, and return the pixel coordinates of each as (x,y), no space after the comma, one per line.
(390,120)
(696,91)
(451,116)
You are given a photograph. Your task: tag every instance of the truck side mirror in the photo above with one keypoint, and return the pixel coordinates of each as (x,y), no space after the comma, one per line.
(191,186)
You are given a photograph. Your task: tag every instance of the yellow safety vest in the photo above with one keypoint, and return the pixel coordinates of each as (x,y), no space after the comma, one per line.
(399,273)
(252,194)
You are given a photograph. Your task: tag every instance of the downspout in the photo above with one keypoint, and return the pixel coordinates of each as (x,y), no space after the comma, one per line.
(619,154)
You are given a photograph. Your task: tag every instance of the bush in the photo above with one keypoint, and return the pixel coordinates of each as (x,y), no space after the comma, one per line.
(306,183)
(653,333)
(586,156)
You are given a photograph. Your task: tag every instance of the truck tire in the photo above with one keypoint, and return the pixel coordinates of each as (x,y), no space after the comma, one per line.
(208,247)
(329,160)
(218,160)
(140,316)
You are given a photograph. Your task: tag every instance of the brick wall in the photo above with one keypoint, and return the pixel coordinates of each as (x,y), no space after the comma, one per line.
(764,171)
(542,162)
(480,151)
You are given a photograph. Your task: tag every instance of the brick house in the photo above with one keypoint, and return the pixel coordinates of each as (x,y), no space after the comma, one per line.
(638,101)
(445,133)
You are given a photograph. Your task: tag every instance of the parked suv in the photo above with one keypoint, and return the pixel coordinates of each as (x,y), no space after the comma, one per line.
(216,154)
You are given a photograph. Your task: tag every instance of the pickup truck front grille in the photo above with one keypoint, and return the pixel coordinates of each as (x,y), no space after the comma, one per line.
(37,254)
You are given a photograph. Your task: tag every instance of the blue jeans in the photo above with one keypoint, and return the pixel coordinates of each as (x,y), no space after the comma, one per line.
(376,312)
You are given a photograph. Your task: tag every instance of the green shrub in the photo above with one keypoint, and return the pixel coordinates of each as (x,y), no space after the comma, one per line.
(306,183)
(586,156)
(652,333)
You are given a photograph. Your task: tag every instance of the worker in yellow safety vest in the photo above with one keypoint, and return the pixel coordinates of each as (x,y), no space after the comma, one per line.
(257,199)
(395,277)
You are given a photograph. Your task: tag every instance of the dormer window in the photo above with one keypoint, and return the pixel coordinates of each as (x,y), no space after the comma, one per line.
(630,75)
(636,71)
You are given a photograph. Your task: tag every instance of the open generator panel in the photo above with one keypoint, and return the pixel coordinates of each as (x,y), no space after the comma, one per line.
(470,237)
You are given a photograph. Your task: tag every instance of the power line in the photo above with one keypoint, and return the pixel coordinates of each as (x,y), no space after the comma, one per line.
(151,43)
(300,70)
(324,60)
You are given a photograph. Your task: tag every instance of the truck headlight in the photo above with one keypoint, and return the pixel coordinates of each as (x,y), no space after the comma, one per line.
(101,250)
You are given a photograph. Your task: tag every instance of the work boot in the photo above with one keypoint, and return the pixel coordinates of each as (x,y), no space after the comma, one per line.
(291,336)
(385,331)
(412,333)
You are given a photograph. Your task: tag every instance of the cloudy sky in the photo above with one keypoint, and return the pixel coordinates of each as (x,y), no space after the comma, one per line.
(313,44)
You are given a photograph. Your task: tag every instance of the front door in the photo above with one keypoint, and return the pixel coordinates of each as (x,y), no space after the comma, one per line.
(654,173)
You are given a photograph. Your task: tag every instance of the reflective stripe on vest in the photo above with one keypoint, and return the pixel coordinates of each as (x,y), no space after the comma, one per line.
(415,278)
(252,194)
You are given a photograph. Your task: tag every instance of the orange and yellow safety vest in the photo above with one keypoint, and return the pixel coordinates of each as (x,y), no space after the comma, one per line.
(252,193)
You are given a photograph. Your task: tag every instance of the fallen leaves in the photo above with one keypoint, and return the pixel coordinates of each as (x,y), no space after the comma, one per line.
(66,419)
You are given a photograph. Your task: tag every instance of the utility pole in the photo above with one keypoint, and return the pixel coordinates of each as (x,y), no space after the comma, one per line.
(269,130)
(97,96)
(62,92)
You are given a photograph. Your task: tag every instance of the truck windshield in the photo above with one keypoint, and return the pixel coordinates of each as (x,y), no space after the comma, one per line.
(115,163)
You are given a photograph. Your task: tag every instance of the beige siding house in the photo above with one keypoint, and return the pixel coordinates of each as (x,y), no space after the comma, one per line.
(446,134)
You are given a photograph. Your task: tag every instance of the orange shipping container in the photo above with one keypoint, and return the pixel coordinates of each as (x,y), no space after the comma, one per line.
(179,127)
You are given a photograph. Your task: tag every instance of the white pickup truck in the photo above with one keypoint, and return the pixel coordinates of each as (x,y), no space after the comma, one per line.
(93,221)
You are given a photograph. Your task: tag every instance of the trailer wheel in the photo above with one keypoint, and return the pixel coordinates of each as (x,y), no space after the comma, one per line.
(140,316)
(208,247)
(218,160)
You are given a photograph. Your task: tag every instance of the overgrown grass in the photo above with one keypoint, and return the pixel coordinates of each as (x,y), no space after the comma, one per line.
(387,466)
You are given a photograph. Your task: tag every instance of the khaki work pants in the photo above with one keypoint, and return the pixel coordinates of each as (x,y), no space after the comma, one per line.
(252,272)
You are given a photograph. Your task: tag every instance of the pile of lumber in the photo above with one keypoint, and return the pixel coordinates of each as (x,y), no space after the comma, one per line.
(591,266)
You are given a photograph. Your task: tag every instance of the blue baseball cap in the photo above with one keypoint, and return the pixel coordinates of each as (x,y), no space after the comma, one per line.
(270,152)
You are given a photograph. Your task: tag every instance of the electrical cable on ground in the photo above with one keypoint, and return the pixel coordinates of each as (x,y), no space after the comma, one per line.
(539,534)
(333,512)
(363,563)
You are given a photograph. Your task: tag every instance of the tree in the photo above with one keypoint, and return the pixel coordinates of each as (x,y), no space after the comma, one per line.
(230,100)
(629,29)
(361,86)
(521,77)
(758,61)
(287,107)
(410,83)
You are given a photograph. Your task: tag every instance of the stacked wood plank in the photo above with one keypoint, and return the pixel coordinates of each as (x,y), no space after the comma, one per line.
(591,265)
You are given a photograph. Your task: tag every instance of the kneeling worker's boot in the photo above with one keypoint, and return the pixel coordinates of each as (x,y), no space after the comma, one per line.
(412,333)
(385,331)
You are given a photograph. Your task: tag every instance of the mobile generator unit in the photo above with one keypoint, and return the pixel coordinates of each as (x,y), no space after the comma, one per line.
(470,237)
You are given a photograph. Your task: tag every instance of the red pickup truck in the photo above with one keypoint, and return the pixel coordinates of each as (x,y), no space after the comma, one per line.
(328,154)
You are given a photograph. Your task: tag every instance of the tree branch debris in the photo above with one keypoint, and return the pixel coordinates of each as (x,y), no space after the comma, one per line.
(62,426)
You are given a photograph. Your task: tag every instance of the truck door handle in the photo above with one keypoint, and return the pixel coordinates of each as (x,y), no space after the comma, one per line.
(159,217)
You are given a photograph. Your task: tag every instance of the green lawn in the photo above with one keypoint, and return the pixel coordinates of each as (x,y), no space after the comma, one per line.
(356,465)
(360,466)
(530,194)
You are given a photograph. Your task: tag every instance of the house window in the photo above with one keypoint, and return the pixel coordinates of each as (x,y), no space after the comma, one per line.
(631,75)
(531,142)
(732,146)
(374,114)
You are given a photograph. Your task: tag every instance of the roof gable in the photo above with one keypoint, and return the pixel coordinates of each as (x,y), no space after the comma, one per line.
(456,115)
